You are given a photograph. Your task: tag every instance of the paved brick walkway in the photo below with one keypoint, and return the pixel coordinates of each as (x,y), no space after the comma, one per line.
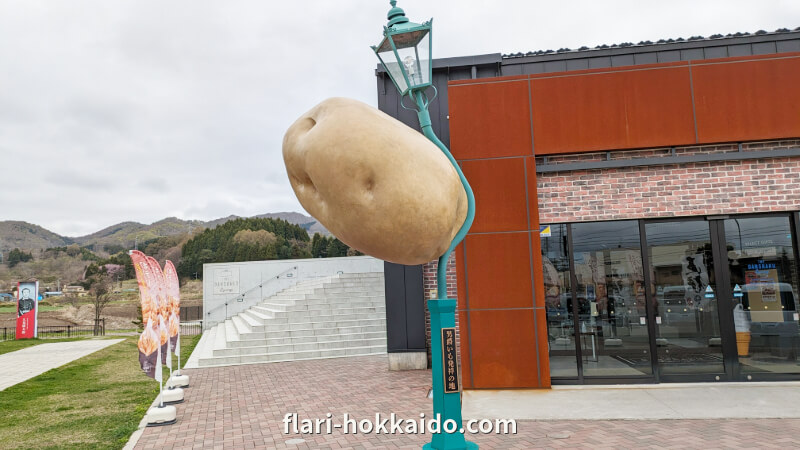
(242,407)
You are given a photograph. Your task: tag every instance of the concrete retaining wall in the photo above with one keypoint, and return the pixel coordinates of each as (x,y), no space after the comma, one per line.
(244,284)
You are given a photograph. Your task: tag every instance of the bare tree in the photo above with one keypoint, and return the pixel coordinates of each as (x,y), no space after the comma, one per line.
(100,292)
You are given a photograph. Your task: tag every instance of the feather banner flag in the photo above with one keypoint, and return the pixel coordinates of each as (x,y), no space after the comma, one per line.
(149,354)
(161,300)
(174,300)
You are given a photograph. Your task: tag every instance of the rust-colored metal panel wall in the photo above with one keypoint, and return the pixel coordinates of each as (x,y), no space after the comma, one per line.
(747,100)
(497,290)
(536,242)
(499,271)
(620,109)
(490,120)
(657,105)
(461,279)
(463,320)
(540,313)
(499,187)
(504,349)
(466,373)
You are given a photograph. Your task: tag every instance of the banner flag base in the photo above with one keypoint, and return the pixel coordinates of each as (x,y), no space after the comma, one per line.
(178,381)
(172,395)
(161,415)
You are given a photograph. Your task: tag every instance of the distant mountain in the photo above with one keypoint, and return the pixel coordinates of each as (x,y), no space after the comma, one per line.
(309,223)
(127,234)
(26,236)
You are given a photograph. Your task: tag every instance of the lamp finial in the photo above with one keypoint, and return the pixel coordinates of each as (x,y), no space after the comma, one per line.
(396,15)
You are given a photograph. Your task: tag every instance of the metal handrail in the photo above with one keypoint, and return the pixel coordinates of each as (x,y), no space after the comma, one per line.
(244,294)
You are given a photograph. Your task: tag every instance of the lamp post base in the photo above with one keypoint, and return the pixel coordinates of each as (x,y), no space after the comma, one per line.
(446,402)
(467,445)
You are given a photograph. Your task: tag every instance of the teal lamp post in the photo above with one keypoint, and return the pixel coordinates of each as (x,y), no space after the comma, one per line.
(405,53)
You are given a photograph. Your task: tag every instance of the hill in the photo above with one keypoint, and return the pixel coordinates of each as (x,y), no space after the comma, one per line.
(26,236)
(127,234)
(308,223)
(253,239)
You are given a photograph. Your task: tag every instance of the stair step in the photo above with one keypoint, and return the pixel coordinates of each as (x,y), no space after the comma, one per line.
(291,356)
(218,335)
(320,307)
(289,318)
(230,331)
(257,315)
(310,333)
(241,326)
(311,313)
(310,338)
(284,327)
(253,323)
(300,347)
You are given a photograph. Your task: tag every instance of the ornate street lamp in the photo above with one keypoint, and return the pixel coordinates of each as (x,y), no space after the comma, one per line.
(405,53)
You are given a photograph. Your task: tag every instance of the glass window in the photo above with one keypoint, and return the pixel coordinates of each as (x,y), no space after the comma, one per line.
(560,323)
(764,290)
(611,299)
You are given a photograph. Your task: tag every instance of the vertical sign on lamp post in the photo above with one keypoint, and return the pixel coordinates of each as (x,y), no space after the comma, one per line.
(449,360)
(27,309)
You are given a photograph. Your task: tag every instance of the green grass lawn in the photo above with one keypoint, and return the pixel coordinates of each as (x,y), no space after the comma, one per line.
(95,402)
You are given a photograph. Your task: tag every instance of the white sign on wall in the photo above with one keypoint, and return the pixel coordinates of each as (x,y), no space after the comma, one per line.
(226,281)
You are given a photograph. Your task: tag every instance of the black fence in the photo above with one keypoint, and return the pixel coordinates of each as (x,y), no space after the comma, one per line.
(60,331)
(191,328)
(190,313)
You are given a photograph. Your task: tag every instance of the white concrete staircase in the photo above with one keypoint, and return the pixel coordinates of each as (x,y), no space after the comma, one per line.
(342,315)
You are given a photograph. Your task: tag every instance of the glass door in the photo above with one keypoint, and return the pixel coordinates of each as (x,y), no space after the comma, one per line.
(612,332)
(683,297)
(763,291)
(558,304)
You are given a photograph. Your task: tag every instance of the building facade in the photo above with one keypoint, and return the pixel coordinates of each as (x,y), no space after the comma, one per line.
(637,211)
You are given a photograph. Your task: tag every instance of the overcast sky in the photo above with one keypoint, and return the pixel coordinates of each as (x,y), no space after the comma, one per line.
(139,110)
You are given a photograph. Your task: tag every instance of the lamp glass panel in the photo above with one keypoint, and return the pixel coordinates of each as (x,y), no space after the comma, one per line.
(411,66)
(424,58)
(413,48)
(393,67)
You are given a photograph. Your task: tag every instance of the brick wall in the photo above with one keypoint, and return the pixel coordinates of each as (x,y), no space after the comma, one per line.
(429,284)
(707,188)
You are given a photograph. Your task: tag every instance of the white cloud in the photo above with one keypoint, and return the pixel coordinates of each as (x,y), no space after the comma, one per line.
(139,110)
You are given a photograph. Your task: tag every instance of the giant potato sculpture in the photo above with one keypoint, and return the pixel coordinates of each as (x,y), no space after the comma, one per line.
(376,184)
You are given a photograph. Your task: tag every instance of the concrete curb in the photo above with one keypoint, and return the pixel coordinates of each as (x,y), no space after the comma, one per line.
(139,431)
